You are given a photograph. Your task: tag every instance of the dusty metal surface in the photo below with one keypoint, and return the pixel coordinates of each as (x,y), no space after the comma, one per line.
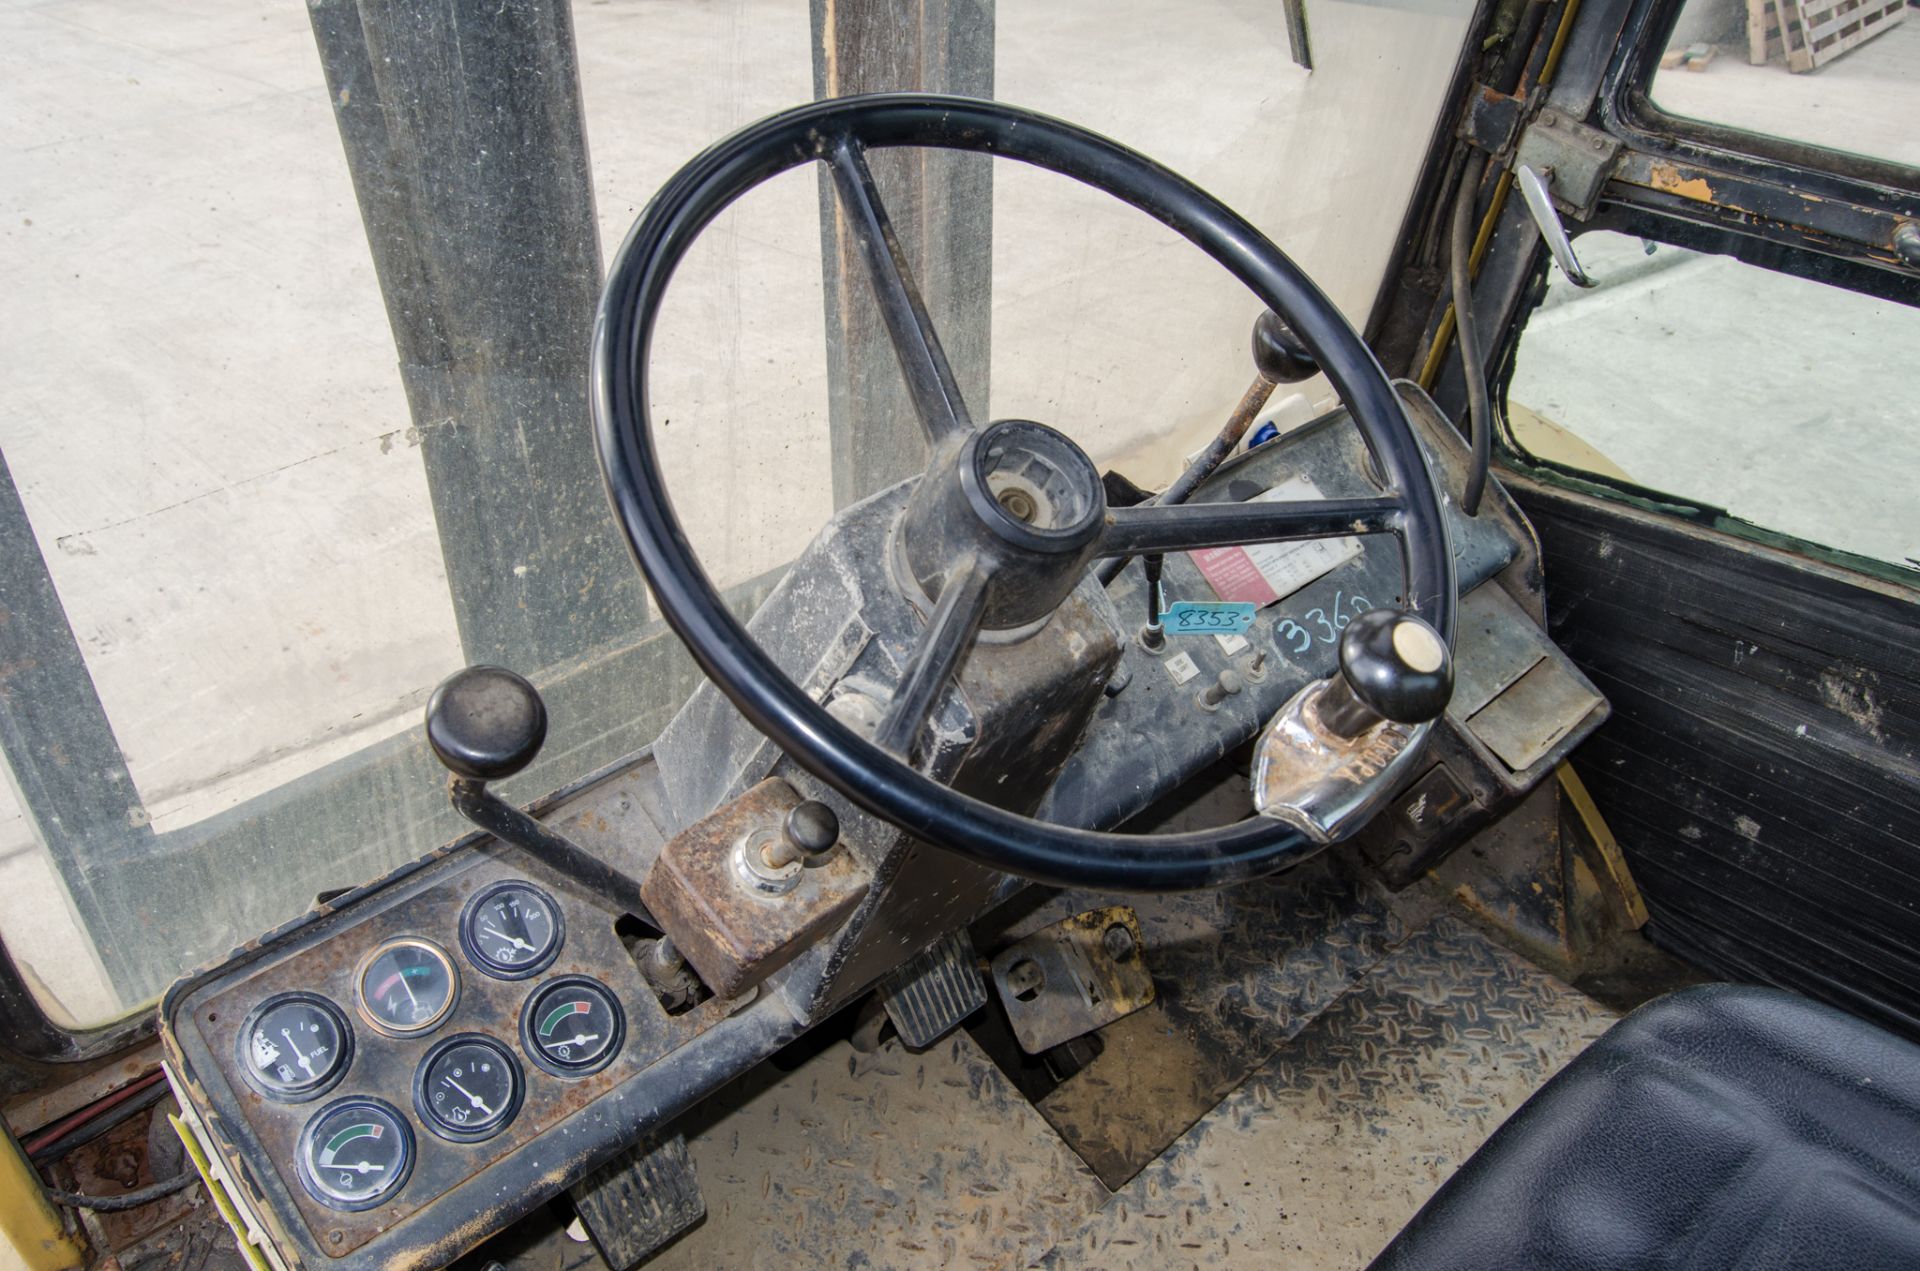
(1332,1146)
(885,1160)
(1238,972)
(737,919)
(1073,977)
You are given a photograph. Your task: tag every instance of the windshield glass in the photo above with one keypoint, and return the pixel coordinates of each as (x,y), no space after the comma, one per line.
(294,419)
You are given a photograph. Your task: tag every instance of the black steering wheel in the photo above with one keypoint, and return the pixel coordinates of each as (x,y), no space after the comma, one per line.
(992,565)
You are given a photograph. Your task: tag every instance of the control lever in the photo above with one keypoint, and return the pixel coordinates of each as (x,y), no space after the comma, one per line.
(1533,188)
(487,723)
(1335,751)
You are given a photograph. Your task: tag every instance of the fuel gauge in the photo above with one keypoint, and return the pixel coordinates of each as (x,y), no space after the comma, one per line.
(355,1153)
(407,986)
(294,1046)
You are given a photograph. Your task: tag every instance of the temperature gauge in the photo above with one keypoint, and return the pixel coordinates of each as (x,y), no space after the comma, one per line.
(512,930)
(294,1046)
(407,986)
(468,1088)
(572,1026)
(355,1153)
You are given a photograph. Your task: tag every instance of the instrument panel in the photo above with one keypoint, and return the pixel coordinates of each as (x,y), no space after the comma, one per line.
(361,1074)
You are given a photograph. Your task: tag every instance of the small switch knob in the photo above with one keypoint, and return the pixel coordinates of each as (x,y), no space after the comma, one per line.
(486,723)
(812,828)
(1278,354)
(1221,689)
(809,832)
(1392,666)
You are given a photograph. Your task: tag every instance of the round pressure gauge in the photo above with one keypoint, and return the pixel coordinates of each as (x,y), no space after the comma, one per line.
(355,1153)
(407,986)
(572,1026)
(468,1088)
(512,930)
(294,1046)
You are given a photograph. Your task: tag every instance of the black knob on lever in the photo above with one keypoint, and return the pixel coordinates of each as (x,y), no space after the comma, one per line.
(1279,354)
(487,723)
(1392,666)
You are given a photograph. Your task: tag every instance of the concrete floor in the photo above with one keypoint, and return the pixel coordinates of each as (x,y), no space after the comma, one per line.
(202,411)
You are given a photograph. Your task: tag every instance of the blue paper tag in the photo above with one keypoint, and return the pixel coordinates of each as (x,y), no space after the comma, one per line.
(1207,617)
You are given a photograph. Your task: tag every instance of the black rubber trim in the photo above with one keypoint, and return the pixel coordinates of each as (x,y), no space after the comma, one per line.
(623,334)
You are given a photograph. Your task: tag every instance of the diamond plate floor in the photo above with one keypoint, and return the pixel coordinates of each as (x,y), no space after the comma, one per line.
(1321,1156)
(887,1160)
(1238,971)
(1315,1160)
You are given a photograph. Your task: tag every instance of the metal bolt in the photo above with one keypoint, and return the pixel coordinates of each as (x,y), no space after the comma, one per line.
(1118,942)
(1906,241)
(1153,637)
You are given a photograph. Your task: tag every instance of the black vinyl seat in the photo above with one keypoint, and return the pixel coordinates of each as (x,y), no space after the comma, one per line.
(1716,1127)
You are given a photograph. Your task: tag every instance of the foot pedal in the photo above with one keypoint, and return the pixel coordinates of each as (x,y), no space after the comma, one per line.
(640,1200)
(928,996)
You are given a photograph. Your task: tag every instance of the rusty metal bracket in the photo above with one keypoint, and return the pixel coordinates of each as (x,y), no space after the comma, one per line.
(737,910)
(1493,120)
(1578,158)
(1073,977)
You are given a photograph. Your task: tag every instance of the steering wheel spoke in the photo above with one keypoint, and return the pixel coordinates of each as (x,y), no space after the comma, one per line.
(936,395)
(942,649)
(1185,527)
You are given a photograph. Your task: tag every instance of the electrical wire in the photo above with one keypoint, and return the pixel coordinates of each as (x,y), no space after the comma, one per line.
(131,1200)
(1467,332)
(100,1107)
(53,1149)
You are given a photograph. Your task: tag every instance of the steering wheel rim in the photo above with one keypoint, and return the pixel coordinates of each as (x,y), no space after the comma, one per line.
(872,778)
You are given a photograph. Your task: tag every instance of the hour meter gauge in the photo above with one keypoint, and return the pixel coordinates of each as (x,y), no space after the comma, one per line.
(294,1046)
(355,1153)
(407,986)
(572,1026)
(512,930)
(468,1088)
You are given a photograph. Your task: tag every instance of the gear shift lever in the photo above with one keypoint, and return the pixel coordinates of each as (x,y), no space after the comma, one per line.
(1338,748)
(487,723)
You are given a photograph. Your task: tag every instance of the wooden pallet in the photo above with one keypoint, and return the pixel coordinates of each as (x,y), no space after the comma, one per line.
(1809,33)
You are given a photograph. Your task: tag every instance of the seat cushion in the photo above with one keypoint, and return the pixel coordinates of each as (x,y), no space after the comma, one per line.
(1716,1127)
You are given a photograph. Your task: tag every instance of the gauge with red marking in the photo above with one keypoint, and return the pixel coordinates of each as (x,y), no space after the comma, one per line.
(407,986)
(572,1026)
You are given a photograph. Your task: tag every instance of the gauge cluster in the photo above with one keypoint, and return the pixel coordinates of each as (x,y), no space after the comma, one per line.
(411,1042)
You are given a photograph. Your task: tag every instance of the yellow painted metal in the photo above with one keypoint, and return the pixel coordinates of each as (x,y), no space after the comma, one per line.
(221,1201)
(30,1227)
(1608,847)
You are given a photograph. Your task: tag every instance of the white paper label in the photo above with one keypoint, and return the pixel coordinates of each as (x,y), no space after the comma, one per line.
(1181,668)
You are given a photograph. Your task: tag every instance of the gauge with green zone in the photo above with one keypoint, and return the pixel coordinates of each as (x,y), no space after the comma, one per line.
(355,1153)
(572,1026)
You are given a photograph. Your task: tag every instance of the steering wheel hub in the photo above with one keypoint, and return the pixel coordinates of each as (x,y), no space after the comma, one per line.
(1017,502)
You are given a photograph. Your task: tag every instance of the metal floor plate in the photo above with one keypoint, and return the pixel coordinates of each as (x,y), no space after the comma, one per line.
(884,1160)
(1238,970)
(1327,1151)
